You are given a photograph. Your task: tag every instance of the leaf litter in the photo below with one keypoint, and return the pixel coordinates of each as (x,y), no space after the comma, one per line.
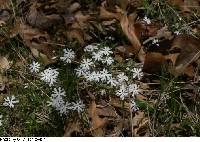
(72,21)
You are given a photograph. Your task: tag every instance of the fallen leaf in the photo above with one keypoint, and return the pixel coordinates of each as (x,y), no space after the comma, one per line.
(5,4)
(130,31)
(36,39)
(175,2)
(106,111)
(116,102)
(39,20)
(139,121)
(111,4)
(141,98)
(190,52)
(76,34)
(190,71)
(153,62)
(190,5)
(105,14)
(172,57)
(74,7)
(4,64)
(70,128)
(97,123)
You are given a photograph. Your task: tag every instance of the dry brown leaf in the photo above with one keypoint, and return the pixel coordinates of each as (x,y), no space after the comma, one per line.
(118,58)
(97,123)
(175,2)
(5,4)
(72,127)
(37,40)
(111,4)
(153,62)
(76,34)
(190,4)
(126,50)
(130,31)
(190,71)
(138,118)
(104,14)
(39,20)
(162,33)
(190,52)
(142,128)
(106,111)
(74,7)
(116,102)
(109,22)
(172,57)
(141,98)
(82,20)
(139,121)
(4,64)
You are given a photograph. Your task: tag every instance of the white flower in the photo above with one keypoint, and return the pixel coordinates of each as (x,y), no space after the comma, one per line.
(64,108)
(58,92)
(112,82)
(86,63)
(86,74)
(94,76)
(147,20)
(155,41)
(134,89)
(1,116)
(26,85)
(10,101)
(122,92)
(177,32)
(121,77)
(106,51)
(56,102)
(34,67)
(82,72)
(108,60)
(105,75)
(137,73)
(110,38)
(97,56)
(103,92)
(90,48)
(133,106)
(49,76)
(78,106)
(69,55)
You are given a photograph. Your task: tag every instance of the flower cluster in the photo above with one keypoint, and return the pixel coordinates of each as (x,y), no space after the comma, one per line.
(126,88)
(57,99)
(57,102)
(97,67)
(87,68)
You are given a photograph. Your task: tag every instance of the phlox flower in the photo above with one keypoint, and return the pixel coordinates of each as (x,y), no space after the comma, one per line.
(49,76)
(34,67)
(68,56)
(10,101)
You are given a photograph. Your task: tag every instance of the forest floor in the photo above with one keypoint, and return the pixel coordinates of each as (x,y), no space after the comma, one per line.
(110,68)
